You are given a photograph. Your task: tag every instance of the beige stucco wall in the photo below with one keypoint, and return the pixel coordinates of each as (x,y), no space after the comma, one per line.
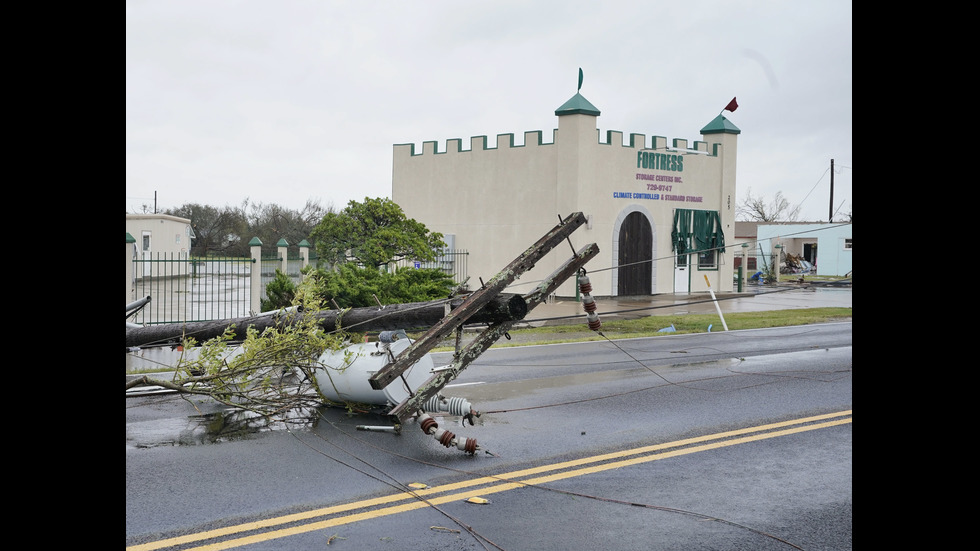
(499,201)
(168,234)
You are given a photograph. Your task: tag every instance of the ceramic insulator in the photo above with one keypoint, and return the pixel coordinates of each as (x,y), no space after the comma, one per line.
(444,437)
(588,302)
(594,323)
(467,445)
(452,406)
(427,423)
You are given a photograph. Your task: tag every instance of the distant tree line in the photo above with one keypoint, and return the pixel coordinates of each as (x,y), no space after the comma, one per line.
(227,231)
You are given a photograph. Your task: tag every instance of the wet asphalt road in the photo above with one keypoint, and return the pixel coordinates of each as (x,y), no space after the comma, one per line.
(543,406)
(571,312)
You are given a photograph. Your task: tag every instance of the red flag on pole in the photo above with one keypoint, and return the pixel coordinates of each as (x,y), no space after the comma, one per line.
(732,106)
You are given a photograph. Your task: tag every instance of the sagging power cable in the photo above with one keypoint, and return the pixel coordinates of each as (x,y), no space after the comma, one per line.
(389,480)
(547,488)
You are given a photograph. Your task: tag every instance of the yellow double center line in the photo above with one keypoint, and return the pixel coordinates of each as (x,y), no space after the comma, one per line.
(492,484)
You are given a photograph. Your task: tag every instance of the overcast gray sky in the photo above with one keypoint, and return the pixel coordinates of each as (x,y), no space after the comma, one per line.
(284,102)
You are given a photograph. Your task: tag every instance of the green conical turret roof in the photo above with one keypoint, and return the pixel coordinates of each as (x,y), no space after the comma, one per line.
(720,125)
(577,105)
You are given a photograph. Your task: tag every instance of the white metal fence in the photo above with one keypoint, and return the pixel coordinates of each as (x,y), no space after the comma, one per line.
(188,289)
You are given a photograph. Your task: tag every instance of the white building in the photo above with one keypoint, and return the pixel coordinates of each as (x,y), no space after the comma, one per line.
(825,245)
(646,201)
(152,239)
(160,233)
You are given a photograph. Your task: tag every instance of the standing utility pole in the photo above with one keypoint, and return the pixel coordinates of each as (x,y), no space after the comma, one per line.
(830,217)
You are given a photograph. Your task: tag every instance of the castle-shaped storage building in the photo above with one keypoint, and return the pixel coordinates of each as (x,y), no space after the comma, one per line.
(660,214)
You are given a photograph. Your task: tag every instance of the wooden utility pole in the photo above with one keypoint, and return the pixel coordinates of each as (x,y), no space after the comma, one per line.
(412,315)
(830,217)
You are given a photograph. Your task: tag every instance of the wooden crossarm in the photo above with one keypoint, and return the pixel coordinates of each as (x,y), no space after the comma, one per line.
(414,403)
(475,301)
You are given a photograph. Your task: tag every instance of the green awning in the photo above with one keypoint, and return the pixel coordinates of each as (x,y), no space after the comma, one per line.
(696,230)
(680,234)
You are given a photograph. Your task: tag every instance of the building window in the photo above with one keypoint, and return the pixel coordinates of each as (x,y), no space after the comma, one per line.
(707,260)
(847,244)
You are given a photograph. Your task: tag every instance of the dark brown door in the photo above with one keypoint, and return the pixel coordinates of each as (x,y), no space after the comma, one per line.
(635,256)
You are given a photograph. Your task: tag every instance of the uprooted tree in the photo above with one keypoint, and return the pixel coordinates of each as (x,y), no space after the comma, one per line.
(267,372)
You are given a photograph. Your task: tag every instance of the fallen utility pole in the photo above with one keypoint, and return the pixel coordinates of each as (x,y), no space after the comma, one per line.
(476,301)
(487,305)
(503,307)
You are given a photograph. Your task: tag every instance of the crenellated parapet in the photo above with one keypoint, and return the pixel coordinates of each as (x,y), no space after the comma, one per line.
(535,138)
(532,138)
(639,141)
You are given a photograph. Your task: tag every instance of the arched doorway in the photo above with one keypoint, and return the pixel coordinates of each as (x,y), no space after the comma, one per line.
(635,256)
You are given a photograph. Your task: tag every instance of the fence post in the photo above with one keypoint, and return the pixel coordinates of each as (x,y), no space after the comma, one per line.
(743,276)
(255,276)
(304,255)
(777,257)
(130,243)
(282,244)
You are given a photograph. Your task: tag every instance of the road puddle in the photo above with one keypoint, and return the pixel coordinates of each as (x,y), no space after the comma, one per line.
(227,425)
